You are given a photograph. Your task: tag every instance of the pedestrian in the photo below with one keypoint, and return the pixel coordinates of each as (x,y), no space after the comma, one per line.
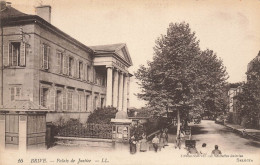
(143,144)
(155,142)
(132,143)
(166,136)
(203,150)
(178,141)
(216,151)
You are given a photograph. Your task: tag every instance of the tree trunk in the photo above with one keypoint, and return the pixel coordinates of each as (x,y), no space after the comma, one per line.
(178,122)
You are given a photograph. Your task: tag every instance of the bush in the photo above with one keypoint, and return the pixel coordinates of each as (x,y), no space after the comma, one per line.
(102,116)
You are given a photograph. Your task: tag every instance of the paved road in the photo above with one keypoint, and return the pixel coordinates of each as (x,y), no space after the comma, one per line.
(211,133)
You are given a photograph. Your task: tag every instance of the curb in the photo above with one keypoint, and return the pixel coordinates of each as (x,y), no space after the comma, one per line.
(245,134)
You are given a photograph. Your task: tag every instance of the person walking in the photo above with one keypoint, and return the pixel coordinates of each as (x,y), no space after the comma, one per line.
(178,141)
(155,142)
(166,136)
(132,143)
(143,143)
(216,151)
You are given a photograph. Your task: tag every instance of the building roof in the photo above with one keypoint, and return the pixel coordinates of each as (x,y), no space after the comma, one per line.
(11,17)
(108,48)
(120,49)
(10,12)
(22,105)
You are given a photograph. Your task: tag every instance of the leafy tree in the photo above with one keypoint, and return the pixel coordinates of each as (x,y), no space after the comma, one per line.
(181,76)
(248,103)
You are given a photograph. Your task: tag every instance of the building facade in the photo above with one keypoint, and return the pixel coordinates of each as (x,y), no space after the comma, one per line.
(45,66)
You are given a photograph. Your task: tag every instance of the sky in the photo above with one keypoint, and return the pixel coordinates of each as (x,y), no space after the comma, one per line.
(231,28)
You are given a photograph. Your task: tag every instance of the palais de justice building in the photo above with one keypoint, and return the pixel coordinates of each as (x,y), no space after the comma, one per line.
(44,68)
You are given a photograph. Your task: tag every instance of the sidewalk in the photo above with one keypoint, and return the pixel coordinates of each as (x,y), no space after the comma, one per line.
(252,133)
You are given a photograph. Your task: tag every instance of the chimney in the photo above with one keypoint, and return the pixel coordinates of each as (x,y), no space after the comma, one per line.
(44,12)
(2,5)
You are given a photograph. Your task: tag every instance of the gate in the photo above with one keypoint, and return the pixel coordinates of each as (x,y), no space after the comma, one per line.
(88,130)
(12,131)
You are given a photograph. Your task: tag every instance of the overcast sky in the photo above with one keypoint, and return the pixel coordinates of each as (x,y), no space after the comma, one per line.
(231,28)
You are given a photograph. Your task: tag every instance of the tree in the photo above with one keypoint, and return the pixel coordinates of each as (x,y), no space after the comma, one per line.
(248,103)
(173,78)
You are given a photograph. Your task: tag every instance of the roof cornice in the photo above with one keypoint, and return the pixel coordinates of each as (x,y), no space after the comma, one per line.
(28,19)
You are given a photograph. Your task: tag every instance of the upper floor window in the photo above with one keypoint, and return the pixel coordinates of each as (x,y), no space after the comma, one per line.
(60,62)
(70,65)
(44,96)
(17,54)
(69,101)
(45,56)
(80,70)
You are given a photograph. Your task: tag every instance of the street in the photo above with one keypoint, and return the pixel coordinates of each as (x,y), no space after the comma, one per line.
(215,134)
(206,132)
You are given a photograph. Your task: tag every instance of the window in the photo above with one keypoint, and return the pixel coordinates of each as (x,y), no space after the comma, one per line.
(79,101)
(44,96)
(17,53)
(15,93)
(95,103)
(58,103)
(45,56)
(102,102)
(60,62)
(69,100)
(86,103)
(80,76)
(70,65)
(88,73)
(14,54)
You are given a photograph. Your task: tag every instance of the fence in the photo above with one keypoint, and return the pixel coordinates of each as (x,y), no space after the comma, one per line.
(89,130)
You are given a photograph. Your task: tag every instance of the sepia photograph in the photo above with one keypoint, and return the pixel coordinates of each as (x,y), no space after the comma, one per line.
(129,82)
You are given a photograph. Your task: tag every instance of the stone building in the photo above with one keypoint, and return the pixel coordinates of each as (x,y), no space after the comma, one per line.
(44,66)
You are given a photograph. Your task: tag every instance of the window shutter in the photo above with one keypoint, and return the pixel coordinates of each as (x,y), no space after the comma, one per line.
(6,55)
(42,55)
(86,72)
(10,54)
(82,71)
(12,93)
(65,69)
(18,93)
(41,96)
(75,101)
(58,57)
(48,55)
(64,102)
(22,54)
(76,69)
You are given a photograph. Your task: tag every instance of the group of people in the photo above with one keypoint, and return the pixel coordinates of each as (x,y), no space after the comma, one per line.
(160,140)
(133,142)
(203,151)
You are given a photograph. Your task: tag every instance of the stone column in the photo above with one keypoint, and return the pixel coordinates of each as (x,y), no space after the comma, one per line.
(128,92)
(125,94)
(22,132)
(109,86)
(2,132)
(115,89)
(120,92)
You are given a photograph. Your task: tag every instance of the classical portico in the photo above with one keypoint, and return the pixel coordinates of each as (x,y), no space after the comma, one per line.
(116,59)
